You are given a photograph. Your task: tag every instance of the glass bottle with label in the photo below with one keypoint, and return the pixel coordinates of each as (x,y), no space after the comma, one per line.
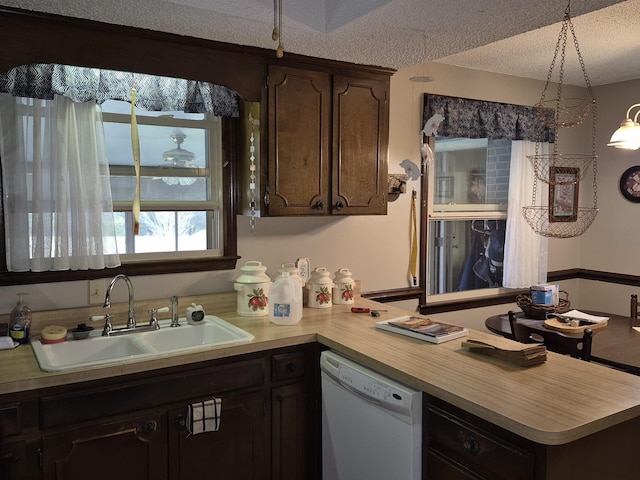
(20,321)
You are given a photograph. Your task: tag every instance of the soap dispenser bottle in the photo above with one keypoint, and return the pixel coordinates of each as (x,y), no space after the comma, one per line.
(20,321)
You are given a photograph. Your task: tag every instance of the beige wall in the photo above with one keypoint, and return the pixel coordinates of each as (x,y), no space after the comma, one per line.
(376,248)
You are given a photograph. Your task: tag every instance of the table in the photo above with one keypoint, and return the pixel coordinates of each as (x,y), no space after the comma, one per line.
(617,344)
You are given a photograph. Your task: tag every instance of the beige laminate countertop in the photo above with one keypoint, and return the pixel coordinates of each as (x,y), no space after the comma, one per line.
(552,403)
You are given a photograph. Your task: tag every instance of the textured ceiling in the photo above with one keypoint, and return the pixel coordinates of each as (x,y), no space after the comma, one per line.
(487,35)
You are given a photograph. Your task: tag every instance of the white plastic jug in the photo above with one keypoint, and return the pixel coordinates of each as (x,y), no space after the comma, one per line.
(285,300)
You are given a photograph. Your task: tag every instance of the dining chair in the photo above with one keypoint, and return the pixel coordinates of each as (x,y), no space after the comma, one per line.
(634,306)
(576,346)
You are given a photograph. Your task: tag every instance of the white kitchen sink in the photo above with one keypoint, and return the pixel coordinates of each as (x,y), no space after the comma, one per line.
(214,332)
(99,350)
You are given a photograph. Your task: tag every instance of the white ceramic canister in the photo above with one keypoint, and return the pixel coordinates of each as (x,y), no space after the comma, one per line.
(294,272)
(319,288)
(253,286)
(343,286)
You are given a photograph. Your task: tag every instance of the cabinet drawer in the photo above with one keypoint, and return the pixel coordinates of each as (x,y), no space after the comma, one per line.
(125,397)
(476,449)
(10,423)
(287,365)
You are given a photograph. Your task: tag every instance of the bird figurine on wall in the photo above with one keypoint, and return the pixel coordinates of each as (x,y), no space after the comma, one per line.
(431,125)
(411,169)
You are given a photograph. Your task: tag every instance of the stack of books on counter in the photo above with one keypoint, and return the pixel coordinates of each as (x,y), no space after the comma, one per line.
(423,328)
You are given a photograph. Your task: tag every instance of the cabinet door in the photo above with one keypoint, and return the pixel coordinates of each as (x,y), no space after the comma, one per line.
(360,143)
(299,136)
(130,449)
(238,450)
(12,460)
(291,441)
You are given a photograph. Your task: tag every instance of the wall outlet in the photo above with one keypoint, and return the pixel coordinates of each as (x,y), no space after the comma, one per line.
(97,291)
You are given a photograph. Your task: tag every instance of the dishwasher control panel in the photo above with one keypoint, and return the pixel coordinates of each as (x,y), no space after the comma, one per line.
(371,387)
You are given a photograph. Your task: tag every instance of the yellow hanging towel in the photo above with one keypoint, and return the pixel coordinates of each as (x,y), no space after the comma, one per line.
(135,147)
(413,267)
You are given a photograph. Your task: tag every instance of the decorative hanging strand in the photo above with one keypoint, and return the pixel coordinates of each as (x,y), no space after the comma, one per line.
(252,175)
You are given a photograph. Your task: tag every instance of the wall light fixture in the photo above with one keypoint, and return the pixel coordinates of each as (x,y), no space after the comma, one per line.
(627,136)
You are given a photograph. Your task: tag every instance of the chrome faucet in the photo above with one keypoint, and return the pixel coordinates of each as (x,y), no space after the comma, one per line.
(131,322)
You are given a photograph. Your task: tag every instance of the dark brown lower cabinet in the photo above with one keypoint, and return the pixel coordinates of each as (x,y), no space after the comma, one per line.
(238,450)
(135,428)
(132,449)
(13,462)
(461,446)
(290,433)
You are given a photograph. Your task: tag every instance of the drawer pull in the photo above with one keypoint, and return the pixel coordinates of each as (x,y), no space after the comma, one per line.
(291,367)
(471,445)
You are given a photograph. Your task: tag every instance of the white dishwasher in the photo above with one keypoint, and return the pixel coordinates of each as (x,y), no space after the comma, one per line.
(371,424)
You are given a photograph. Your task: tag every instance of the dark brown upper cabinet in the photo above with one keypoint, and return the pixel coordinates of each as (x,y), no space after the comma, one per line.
(327,143)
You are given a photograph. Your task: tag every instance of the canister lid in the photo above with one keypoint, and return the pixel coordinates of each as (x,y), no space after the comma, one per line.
(253,272)
(320,275)
(343,273)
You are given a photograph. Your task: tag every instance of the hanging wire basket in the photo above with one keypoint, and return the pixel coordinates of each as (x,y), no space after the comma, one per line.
(568,112)
(563,169)
(545,165)
(541,221)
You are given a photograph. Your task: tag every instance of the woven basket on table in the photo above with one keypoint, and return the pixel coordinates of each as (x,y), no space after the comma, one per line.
(540,311)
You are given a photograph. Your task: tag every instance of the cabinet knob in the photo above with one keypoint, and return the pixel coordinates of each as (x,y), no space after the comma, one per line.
(150,426)
(339,205)
(319,205)
(471,445)
(291,367)
(181,421)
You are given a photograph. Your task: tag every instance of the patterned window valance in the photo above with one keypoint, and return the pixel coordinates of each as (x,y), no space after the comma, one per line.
(153,93)
(465,118)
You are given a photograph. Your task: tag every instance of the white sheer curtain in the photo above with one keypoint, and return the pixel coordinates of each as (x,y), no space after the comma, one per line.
(58,209)
(525,253)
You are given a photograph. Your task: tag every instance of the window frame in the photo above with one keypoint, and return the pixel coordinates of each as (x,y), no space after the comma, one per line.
(466,299)
(45,38)
(213,127)
(227,261)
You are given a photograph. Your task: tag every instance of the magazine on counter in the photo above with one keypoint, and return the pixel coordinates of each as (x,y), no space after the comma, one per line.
(423,328)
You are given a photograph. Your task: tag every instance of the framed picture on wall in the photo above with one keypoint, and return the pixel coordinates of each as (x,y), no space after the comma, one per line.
(563,194)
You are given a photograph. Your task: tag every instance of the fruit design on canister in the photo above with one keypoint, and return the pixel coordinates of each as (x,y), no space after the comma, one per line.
(347,292)
(323,295)
(257,299)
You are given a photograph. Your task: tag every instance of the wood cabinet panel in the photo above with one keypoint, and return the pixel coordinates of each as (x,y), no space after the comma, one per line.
(238,450)
(479,451)
(291,434)
(360,128)
(299,124)
(132,449)
(328,141)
